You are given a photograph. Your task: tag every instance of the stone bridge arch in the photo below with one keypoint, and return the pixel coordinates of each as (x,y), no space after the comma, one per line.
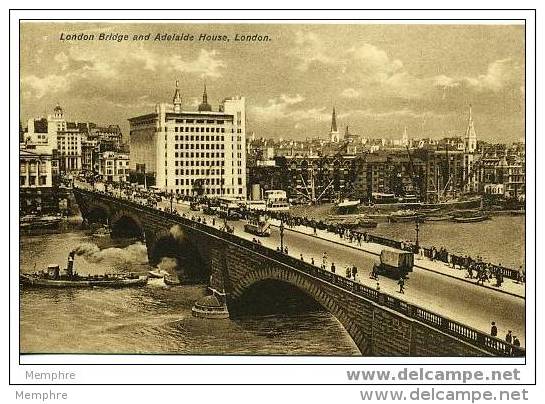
(175,243)
(125,223)
(314,289)
(98,212)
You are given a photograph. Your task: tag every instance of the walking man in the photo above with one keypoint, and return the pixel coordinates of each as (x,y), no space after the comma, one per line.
(401,284)
(509,337)
(494,329)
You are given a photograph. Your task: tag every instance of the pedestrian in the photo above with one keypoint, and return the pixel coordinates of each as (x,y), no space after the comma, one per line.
(354,272)
(312,260)
(516,341)
(509,337)
(302,259)
(286,250)
(333,267)
(378,286)
(494,330)
(401,284)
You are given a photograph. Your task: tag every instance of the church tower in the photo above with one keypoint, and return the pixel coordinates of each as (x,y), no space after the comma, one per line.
(177,99)
(205,106)
(334,133)
(405,138)
(470,140)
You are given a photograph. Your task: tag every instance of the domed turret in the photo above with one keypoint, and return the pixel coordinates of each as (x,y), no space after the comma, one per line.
(58,112)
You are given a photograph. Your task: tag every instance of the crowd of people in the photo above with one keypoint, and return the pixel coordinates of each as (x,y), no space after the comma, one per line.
(476,268)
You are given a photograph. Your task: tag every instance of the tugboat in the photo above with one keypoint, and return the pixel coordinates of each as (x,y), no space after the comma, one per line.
(53,277)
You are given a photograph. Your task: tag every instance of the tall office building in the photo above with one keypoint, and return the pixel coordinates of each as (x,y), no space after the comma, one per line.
(191,152)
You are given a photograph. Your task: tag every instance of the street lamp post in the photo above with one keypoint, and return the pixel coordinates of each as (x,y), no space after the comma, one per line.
(171,199)
(417,229)
(281,235)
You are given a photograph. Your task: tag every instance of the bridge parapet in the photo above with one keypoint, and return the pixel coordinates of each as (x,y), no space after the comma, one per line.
(363,311)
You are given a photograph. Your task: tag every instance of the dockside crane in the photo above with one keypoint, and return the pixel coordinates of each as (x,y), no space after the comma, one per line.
(416,179)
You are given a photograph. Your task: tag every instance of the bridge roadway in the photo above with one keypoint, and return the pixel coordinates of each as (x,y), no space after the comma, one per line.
(464,302)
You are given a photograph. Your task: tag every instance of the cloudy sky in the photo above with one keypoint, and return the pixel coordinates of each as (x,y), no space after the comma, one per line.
(381,78)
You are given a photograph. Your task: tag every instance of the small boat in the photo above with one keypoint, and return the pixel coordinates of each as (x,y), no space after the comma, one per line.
(102,232)
(367,223)
(352,221)
(438,218)
(347,203)
(171,280)
(158,273)
(405,216)
(471,219)
(53,277)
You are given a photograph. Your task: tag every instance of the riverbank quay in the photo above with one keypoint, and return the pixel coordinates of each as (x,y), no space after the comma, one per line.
(509,286)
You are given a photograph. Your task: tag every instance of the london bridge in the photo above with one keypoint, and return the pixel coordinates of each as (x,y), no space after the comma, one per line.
(379,323)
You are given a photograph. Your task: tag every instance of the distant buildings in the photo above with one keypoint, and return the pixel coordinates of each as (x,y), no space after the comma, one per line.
(53,149)
(113,167)
(357,167)
(191,152)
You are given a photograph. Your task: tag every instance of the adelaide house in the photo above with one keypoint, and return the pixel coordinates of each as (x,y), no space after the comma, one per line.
(191,152)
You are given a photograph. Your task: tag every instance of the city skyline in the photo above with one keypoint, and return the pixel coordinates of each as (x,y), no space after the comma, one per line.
(380,78)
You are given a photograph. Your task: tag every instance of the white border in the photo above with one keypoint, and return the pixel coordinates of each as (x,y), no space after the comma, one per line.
(318,373)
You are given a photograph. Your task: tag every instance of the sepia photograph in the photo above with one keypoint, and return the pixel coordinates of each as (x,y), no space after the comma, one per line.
(335,189)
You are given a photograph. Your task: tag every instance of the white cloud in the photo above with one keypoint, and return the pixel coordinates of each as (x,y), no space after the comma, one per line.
(46,85)
(206,65)
(311,49)
(350,93)
(102,65)
(283,107)
(498,75)
(398,113)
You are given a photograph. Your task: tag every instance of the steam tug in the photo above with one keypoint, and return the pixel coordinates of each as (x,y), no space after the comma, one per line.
(54,277)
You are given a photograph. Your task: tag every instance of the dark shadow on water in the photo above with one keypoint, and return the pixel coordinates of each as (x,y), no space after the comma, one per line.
(270,297)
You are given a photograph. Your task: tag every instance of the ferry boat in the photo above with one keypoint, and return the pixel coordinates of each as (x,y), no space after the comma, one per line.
(53,277)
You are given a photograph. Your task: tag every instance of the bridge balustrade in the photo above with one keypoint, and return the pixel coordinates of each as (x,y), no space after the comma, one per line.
(451,327)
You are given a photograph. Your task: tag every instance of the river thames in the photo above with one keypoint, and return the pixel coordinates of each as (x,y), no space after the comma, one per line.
(157,318)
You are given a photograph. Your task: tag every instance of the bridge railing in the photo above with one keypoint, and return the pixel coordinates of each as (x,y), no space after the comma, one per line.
(437,321)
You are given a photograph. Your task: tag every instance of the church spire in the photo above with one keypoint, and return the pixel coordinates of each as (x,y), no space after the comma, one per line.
(334,133)
(204,105)
(177,99)
(470,139)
